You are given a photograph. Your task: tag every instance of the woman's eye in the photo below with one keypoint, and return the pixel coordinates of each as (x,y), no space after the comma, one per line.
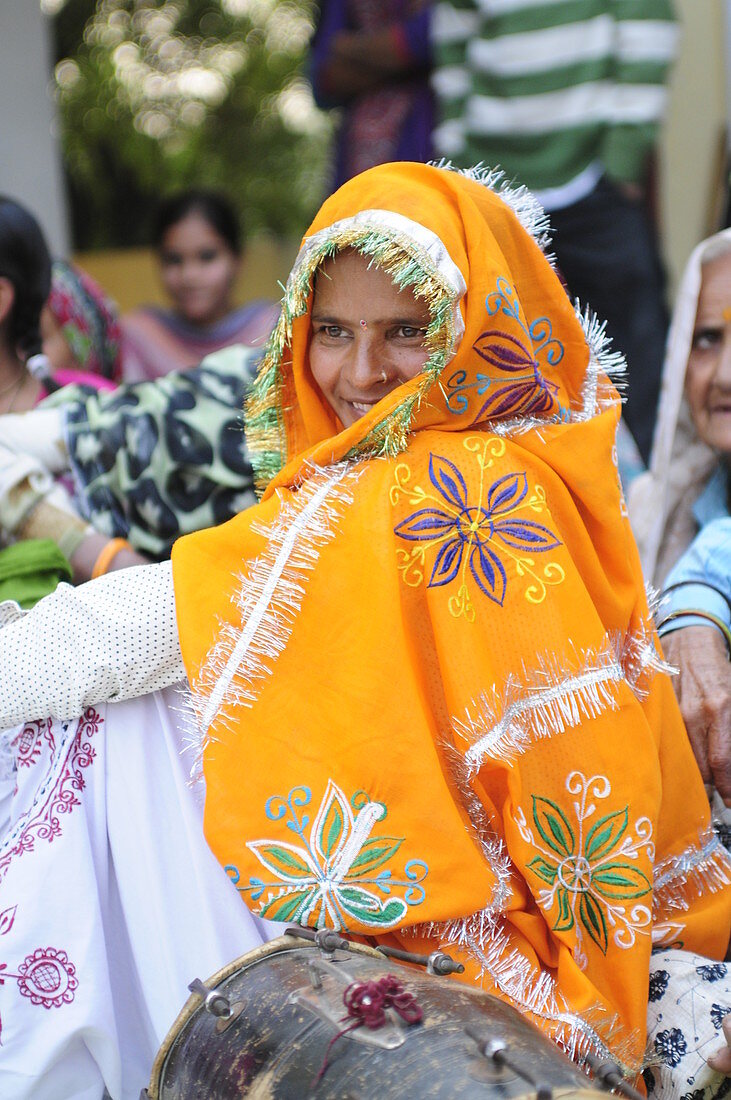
(207,255)
(410,332)
(332,332)
(704,338)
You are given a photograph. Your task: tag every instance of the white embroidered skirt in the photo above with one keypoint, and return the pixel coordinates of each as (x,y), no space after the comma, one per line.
(110,900)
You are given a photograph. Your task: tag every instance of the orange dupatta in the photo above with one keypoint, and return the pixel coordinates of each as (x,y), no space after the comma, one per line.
(423,666)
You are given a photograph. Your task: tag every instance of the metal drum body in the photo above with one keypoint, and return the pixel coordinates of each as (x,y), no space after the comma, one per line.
(286,1005)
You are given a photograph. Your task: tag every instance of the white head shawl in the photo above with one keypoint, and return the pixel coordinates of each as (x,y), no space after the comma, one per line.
(661,501)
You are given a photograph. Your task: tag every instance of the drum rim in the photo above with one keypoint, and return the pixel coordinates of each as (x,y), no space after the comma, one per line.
(243,962)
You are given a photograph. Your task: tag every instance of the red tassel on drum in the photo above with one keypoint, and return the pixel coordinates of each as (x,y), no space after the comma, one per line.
(367,1003)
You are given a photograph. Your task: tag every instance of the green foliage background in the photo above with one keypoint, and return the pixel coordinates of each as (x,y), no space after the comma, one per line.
(155,95)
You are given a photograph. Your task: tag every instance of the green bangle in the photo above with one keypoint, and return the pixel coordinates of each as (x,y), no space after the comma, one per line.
(689,612)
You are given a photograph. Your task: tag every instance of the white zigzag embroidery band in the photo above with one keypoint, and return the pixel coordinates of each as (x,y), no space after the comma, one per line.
(551,699)
(700,867)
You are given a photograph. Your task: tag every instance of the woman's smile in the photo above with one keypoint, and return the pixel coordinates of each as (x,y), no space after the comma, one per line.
(368,336)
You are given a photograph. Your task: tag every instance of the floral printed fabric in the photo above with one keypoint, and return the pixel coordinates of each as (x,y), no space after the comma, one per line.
(689,997)
(86,855)
(156,460)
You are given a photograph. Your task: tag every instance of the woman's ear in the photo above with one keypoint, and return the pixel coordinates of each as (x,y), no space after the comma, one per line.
(7,300)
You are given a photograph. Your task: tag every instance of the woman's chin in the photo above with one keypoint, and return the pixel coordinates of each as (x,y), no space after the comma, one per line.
(200,316)
(717,434)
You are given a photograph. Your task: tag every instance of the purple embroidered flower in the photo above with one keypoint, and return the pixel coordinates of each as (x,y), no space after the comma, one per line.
(468,532)
(713,972)
(658,984)
(670,1046)
(527,393)
(718,1015)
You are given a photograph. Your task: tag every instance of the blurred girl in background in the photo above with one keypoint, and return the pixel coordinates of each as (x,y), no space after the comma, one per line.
(198,244)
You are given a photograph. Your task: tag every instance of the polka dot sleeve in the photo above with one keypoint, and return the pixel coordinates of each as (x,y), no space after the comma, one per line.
(113,638)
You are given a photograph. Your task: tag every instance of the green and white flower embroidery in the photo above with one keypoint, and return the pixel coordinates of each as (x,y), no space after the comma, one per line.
(324,879)
(588,868)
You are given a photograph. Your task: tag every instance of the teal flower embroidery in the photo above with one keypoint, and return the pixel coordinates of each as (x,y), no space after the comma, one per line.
(590,871)
(329,879)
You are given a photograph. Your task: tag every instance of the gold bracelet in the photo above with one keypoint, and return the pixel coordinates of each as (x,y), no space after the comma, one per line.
(107,555)
(691,612)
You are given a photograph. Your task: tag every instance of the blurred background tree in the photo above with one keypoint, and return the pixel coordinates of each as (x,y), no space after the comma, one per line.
(155,95)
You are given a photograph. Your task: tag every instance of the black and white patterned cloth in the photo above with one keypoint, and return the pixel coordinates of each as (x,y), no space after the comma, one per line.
(689,997)
(156,460)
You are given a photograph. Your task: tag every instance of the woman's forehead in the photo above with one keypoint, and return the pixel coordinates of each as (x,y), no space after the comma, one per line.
(350,280)
(716,281)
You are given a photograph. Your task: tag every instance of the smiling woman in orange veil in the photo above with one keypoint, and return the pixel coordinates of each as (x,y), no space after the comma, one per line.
(429,703)
(421,697)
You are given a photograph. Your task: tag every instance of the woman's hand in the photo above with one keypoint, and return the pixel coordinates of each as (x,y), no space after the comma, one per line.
(703,689)
(37,434)
(721,1060)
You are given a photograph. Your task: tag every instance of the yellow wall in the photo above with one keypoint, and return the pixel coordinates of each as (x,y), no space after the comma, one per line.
(130,275)
(691,149)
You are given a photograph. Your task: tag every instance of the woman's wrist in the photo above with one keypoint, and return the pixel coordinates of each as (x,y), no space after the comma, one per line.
(694,617)
(46,521)
(98,555)
(105,558)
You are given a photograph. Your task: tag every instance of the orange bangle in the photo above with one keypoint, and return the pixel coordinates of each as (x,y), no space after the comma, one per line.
(107,556)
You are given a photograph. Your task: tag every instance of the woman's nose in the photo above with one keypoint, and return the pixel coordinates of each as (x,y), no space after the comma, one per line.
(365,361)
(723,371)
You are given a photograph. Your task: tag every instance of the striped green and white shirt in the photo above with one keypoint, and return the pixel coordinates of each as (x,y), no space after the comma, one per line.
(552,89)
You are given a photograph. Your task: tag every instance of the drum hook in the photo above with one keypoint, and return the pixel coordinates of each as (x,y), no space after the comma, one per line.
(213,1002)
(498,1052)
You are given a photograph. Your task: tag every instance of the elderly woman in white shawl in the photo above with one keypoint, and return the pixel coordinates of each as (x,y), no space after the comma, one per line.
(680,509)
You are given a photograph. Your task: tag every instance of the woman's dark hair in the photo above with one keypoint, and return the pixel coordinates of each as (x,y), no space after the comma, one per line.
(25,261)
(212,206)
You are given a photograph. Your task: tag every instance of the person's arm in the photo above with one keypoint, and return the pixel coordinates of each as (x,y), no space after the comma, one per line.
(347,63)
(453,26)
(33,507)
(700,580)
(114,638)
(646,44)
(695,628)
(720,1060)
(703,690)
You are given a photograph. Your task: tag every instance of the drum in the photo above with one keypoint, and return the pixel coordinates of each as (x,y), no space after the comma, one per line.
(271,1026)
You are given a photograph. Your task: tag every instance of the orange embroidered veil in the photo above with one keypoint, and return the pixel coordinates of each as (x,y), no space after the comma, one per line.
(431,704)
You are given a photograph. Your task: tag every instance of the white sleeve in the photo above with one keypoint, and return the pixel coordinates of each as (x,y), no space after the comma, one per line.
(113,638)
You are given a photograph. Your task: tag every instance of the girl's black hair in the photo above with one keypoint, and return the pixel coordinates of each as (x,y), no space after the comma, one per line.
(212,206)
(26,262)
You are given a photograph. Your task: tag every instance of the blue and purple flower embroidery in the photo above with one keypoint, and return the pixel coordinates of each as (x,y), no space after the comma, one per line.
(476,536)
(526,392)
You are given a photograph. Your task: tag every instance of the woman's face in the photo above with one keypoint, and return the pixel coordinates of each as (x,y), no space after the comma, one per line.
(708,380)
(367,335)
(55,345)
(198,270)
